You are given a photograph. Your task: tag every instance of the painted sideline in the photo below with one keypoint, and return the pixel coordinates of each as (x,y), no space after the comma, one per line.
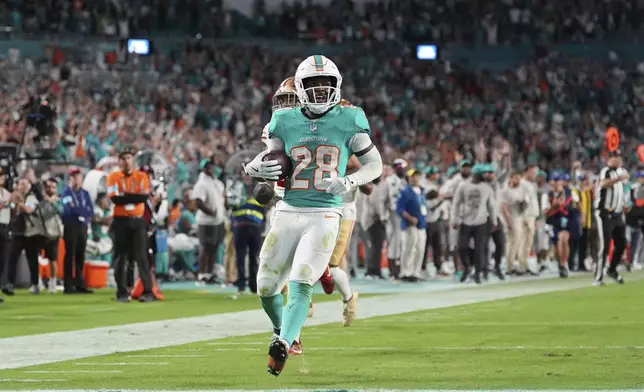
(61,346)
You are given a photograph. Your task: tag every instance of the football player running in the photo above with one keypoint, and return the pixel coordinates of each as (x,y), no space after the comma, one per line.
(285,97)
(319,138)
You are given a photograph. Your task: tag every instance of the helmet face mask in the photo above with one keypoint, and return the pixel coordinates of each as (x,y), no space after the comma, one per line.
(286,95)
(319,89)
(318,82)
(285,100)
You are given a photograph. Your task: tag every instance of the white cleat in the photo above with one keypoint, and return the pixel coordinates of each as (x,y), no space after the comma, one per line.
(350,309)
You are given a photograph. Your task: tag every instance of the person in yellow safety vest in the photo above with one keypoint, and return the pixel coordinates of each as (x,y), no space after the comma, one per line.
(248,219)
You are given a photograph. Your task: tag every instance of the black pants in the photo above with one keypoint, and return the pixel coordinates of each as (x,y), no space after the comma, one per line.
(50,249)
(248,241)
(376,236)
(498,237)
(130,243)
(611,227)
(587,240)
(32,247)
(75,236)
(480,235)
(435,231)
(5,248)
(152,247)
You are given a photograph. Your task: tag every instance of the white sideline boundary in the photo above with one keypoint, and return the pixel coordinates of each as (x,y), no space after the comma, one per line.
(22,351)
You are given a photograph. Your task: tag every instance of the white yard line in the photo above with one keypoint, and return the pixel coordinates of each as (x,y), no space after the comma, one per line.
(121,364)
(71,371)
(445,348)
(166,356)
(27,317)
(451,324)
(32,380)
(345,390)
(31,350)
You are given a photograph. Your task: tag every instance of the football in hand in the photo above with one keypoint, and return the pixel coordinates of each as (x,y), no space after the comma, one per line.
(283,160)
(263,193)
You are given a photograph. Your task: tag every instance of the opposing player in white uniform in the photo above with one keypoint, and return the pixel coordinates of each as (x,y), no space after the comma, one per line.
(319,138)
(395,183)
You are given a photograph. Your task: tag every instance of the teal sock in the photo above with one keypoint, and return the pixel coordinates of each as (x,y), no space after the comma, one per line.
(221,252)
(296,310)
(274,307)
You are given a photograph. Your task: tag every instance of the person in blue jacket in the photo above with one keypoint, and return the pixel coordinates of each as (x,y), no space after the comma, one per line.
(78,210)
(412,209)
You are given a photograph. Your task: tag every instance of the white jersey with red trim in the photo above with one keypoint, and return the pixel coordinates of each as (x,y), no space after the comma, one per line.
(279,185)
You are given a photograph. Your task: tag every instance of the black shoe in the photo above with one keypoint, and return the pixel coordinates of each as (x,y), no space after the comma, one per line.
(476,279)
(147,298)
(615,275)
(532,273)
(83,290)
(498,273)
(69,290)
(352,273)
(629,267)
(542,268)
(563,272)
(277,356)
(466,274)
(8,290)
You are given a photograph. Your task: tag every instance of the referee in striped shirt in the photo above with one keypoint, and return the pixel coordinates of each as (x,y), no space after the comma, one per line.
(609,205)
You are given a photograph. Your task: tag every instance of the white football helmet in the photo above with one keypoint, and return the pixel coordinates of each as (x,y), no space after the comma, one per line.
(313,66)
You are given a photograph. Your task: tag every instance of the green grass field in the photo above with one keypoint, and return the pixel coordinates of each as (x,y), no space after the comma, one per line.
(588,338)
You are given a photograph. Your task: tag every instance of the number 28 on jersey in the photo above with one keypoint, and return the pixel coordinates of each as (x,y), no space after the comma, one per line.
(323,161)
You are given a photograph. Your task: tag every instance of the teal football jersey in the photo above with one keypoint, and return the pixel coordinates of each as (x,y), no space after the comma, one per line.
(319,149)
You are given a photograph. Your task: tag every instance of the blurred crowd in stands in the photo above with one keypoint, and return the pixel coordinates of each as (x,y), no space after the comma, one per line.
(210,97)
(442,21)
